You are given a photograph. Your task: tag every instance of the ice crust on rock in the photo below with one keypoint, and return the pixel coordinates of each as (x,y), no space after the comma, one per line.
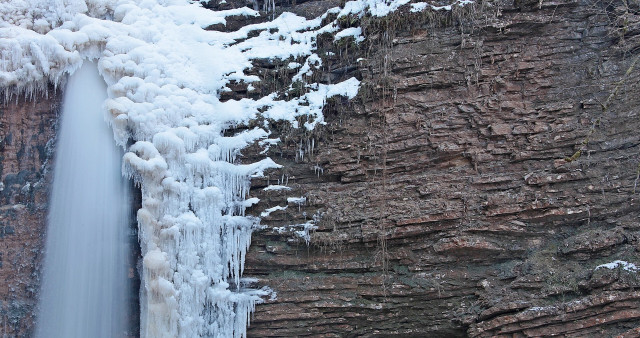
(164,73)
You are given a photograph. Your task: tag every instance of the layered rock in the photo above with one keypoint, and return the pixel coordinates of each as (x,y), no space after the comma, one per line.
(490,165)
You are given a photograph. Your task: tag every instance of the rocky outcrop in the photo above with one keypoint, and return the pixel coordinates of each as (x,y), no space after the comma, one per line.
(488,167)
(27,129)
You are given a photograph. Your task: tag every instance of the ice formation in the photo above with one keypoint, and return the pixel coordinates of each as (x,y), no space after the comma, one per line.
(164,73)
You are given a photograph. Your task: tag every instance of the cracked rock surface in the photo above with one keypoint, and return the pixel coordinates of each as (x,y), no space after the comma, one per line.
(483,173)
(486,170)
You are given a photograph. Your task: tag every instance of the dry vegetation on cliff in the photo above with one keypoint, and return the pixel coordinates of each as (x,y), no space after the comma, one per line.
(453,156)
(447,198)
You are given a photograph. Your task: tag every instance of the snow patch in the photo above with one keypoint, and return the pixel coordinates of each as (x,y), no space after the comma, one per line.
(302,231)
(296,200)
(355,32)
(619,264)
(374,7)
(421,6)
(270,210)
(276,188)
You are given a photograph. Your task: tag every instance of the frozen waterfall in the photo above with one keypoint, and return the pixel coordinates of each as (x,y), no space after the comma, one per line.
(165,66)
(85,285)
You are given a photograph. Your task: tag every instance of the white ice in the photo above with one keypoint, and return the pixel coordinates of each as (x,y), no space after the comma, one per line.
(615,264)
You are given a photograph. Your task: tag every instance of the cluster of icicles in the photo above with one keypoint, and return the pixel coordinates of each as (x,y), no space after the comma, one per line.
(164,73)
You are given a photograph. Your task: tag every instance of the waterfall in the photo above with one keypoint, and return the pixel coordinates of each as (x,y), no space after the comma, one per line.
(85,285)
(166,67)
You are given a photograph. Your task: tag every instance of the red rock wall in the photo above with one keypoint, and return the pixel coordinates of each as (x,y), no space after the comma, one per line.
(442,198)
(27,130)
(446,205)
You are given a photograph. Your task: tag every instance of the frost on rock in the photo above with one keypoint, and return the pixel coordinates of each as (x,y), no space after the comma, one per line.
(165,73)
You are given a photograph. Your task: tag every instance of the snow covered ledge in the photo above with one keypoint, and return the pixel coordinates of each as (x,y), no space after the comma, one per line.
(164,73)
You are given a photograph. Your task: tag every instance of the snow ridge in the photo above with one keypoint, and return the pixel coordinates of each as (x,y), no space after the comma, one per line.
(164,73)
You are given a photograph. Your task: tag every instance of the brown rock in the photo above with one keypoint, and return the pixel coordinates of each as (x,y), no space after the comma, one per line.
(443,203)
(445,206)
(26,146)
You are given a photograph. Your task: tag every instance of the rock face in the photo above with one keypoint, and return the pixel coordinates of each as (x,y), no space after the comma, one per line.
(488,167)
(27,129)
(486,170)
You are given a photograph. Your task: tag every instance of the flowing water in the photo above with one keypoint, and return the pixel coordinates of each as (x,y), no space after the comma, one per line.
(85,285)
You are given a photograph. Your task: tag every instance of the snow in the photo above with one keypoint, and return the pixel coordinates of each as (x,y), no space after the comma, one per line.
(438,8)
(421,6)
(296,200)
(619,264)
(270,210)
(164,73)
(302,230)
(355,32)
(276,187)
(374,7)
(304,233)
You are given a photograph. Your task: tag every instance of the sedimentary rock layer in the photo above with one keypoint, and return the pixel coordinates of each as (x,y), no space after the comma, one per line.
(490,165)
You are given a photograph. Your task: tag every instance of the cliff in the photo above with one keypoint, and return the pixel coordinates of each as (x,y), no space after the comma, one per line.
(27,128)
(487,169)
(475,187)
